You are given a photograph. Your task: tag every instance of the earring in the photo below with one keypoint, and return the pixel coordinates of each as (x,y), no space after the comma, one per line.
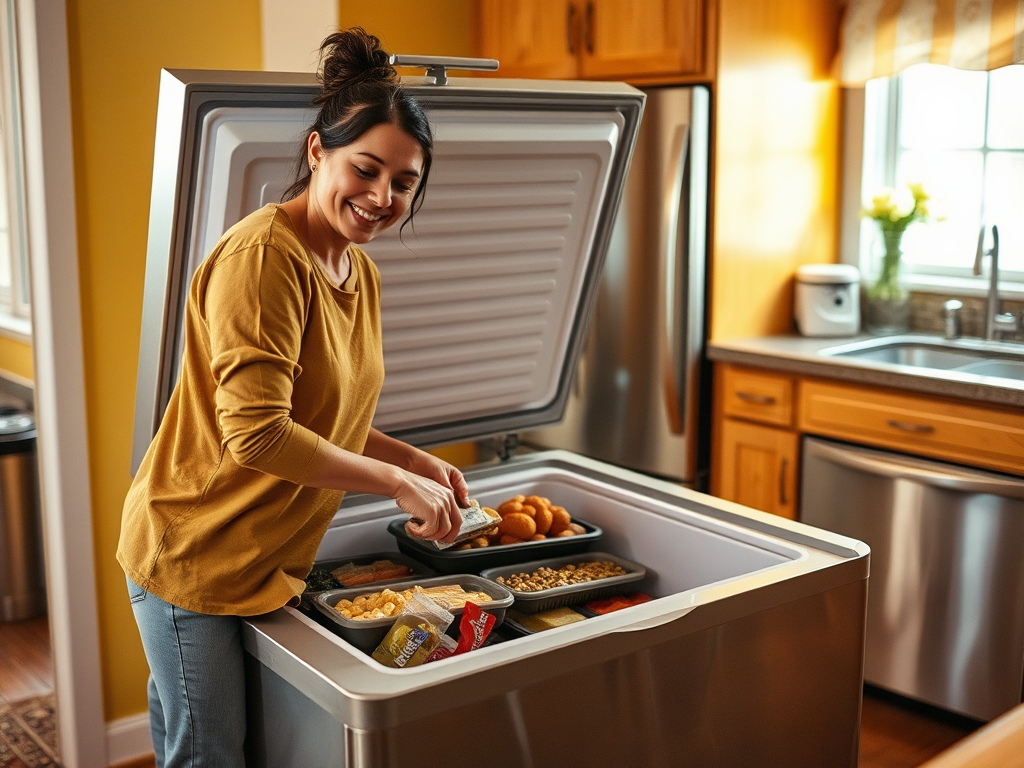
(312,168)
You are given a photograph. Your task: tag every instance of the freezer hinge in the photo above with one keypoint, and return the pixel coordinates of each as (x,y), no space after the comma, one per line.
(437,66)
(501,447)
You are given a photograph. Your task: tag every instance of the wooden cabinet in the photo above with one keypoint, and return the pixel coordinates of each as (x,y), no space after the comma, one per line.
(941,428)
(756,451)
(757,466)
(760,415)
(637,40)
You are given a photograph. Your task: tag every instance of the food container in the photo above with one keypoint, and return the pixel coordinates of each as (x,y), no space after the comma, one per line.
(518,622)
(419,571)
(366,635)
(532,602)
(476,560)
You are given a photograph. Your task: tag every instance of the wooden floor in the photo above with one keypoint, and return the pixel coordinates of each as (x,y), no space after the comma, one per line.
(895,732)
(25,668)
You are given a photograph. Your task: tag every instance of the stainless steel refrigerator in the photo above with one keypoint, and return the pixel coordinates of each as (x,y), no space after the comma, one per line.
(637,397)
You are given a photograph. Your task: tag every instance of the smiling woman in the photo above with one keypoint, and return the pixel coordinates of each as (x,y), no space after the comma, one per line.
(270,422)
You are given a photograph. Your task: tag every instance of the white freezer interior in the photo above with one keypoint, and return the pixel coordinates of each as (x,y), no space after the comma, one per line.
(686,553)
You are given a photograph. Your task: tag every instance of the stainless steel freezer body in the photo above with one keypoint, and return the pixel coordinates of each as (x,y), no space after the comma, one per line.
(750,655)
(752,651)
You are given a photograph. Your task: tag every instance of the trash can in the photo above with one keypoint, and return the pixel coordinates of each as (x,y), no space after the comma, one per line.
(22,582)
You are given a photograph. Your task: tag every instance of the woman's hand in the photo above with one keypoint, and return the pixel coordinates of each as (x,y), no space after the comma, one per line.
(433,508)
(427,465)
(430,490)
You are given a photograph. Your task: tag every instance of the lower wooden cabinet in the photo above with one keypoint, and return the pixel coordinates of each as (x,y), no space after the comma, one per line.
(757,466)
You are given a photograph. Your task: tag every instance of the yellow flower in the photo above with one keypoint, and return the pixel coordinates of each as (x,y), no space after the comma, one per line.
(917,190)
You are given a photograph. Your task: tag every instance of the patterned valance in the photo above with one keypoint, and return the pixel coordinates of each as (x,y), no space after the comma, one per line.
(880,38)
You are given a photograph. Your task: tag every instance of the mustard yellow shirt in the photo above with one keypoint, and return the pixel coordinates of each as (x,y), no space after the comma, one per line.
(276,361)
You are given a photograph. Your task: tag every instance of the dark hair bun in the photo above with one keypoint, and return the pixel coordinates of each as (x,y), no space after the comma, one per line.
(351,57)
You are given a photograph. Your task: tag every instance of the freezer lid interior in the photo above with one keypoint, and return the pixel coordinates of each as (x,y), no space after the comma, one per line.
(485,297)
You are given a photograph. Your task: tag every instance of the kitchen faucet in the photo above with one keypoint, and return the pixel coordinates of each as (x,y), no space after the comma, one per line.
(995,321)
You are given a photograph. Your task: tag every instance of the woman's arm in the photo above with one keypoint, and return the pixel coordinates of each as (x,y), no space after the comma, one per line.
(424,497)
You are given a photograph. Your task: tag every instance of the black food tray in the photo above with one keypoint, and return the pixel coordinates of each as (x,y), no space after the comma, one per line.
(419,571)
(366,635)
(477,560)
(534,602)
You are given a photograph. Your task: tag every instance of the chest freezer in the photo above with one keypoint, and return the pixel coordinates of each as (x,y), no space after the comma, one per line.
(750,653)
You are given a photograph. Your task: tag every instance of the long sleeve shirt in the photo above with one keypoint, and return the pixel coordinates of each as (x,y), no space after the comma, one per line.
(276,360)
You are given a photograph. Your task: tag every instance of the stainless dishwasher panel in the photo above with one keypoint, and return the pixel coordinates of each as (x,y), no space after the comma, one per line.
(946,592)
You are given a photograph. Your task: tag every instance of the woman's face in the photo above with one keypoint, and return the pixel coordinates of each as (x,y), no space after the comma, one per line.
(359,190)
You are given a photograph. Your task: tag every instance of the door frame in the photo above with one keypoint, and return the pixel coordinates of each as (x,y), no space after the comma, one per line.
(60,402)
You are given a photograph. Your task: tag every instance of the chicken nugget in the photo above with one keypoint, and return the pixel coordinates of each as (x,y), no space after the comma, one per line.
(560,520)
(519,525)
(529,509)
(537,502)
(543,519)
(507,539)
(509,507)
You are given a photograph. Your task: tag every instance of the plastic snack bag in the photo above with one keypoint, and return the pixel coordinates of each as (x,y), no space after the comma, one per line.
(416,632)
(474,627)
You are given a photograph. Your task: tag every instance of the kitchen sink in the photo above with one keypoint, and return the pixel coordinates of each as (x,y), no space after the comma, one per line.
(980,358)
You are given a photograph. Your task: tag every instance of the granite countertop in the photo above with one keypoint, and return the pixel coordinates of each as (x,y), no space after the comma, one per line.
(798,354)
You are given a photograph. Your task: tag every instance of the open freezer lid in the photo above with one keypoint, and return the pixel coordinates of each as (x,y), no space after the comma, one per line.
(484,299)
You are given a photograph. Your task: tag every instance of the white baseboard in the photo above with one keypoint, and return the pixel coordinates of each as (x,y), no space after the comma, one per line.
(128,738)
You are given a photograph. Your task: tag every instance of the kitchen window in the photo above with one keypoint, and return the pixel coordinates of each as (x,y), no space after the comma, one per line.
(14,281)
(961,133)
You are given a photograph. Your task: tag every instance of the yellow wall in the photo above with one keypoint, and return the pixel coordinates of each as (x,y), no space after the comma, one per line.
(16,357)
(777,157)
(442,28)
(116,52)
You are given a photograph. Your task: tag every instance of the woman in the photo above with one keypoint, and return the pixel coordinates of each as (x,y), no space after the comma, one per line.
(270,420)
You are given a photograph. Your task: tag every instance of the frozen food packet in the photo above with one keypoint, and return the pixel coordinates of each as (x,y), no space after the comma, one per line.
(475,520)
(444,649)
(474,627)
(416,632)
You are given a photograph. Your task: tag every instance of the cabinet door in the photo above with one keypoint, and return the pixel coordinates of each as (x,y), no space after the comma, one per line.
(531,38)
(624,38)
(757,467)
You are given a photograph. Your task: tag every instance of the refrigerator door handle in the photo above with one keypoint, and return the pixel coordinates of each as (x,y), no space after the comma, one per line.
(908,469)
(657,621)
(672,351)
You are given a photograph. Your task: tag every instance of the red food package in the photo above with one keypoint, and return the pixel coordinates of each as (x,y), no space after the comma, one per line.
(474,627)
(610,604)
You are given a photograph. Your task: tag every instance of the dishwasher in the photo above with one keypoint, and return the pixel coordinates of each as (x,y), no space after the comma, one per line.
(946,595)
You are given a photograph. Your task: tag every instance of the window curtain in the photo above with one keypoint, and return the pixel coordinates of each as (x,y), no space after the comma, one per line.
(881,38)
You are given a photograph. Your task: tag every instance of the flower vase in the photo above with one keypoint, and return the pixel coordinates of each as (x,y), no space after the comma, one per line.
(887,303)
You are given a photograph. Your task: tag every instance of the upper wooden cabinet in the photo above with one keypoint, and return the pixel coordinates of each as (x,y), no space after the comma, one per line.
(594,39)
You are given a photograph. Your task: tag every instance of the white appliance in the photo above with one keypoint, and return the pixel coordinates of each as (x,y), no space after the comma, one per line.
(752,649)
(827,301)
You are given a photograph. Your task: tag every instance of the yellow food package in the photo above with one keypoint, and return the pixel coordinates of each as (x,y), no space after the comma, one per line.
(415,633)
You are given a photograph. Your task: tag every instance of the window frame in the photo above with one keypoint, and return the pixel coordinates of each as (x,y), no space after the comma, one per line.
(15,304)
(867,167)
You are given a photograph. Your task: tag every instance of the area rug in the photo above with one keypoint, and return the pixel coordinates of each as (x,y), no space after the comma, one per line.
(28,734)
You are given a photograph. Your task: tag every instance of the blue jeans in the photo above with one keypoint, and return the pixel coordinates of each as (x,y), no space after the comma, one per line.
(196,683)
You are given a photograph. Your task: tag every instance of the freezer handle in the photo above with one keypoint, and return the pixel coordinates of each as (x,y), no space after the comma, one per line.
(437,66)
(657,621)
(943,476)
